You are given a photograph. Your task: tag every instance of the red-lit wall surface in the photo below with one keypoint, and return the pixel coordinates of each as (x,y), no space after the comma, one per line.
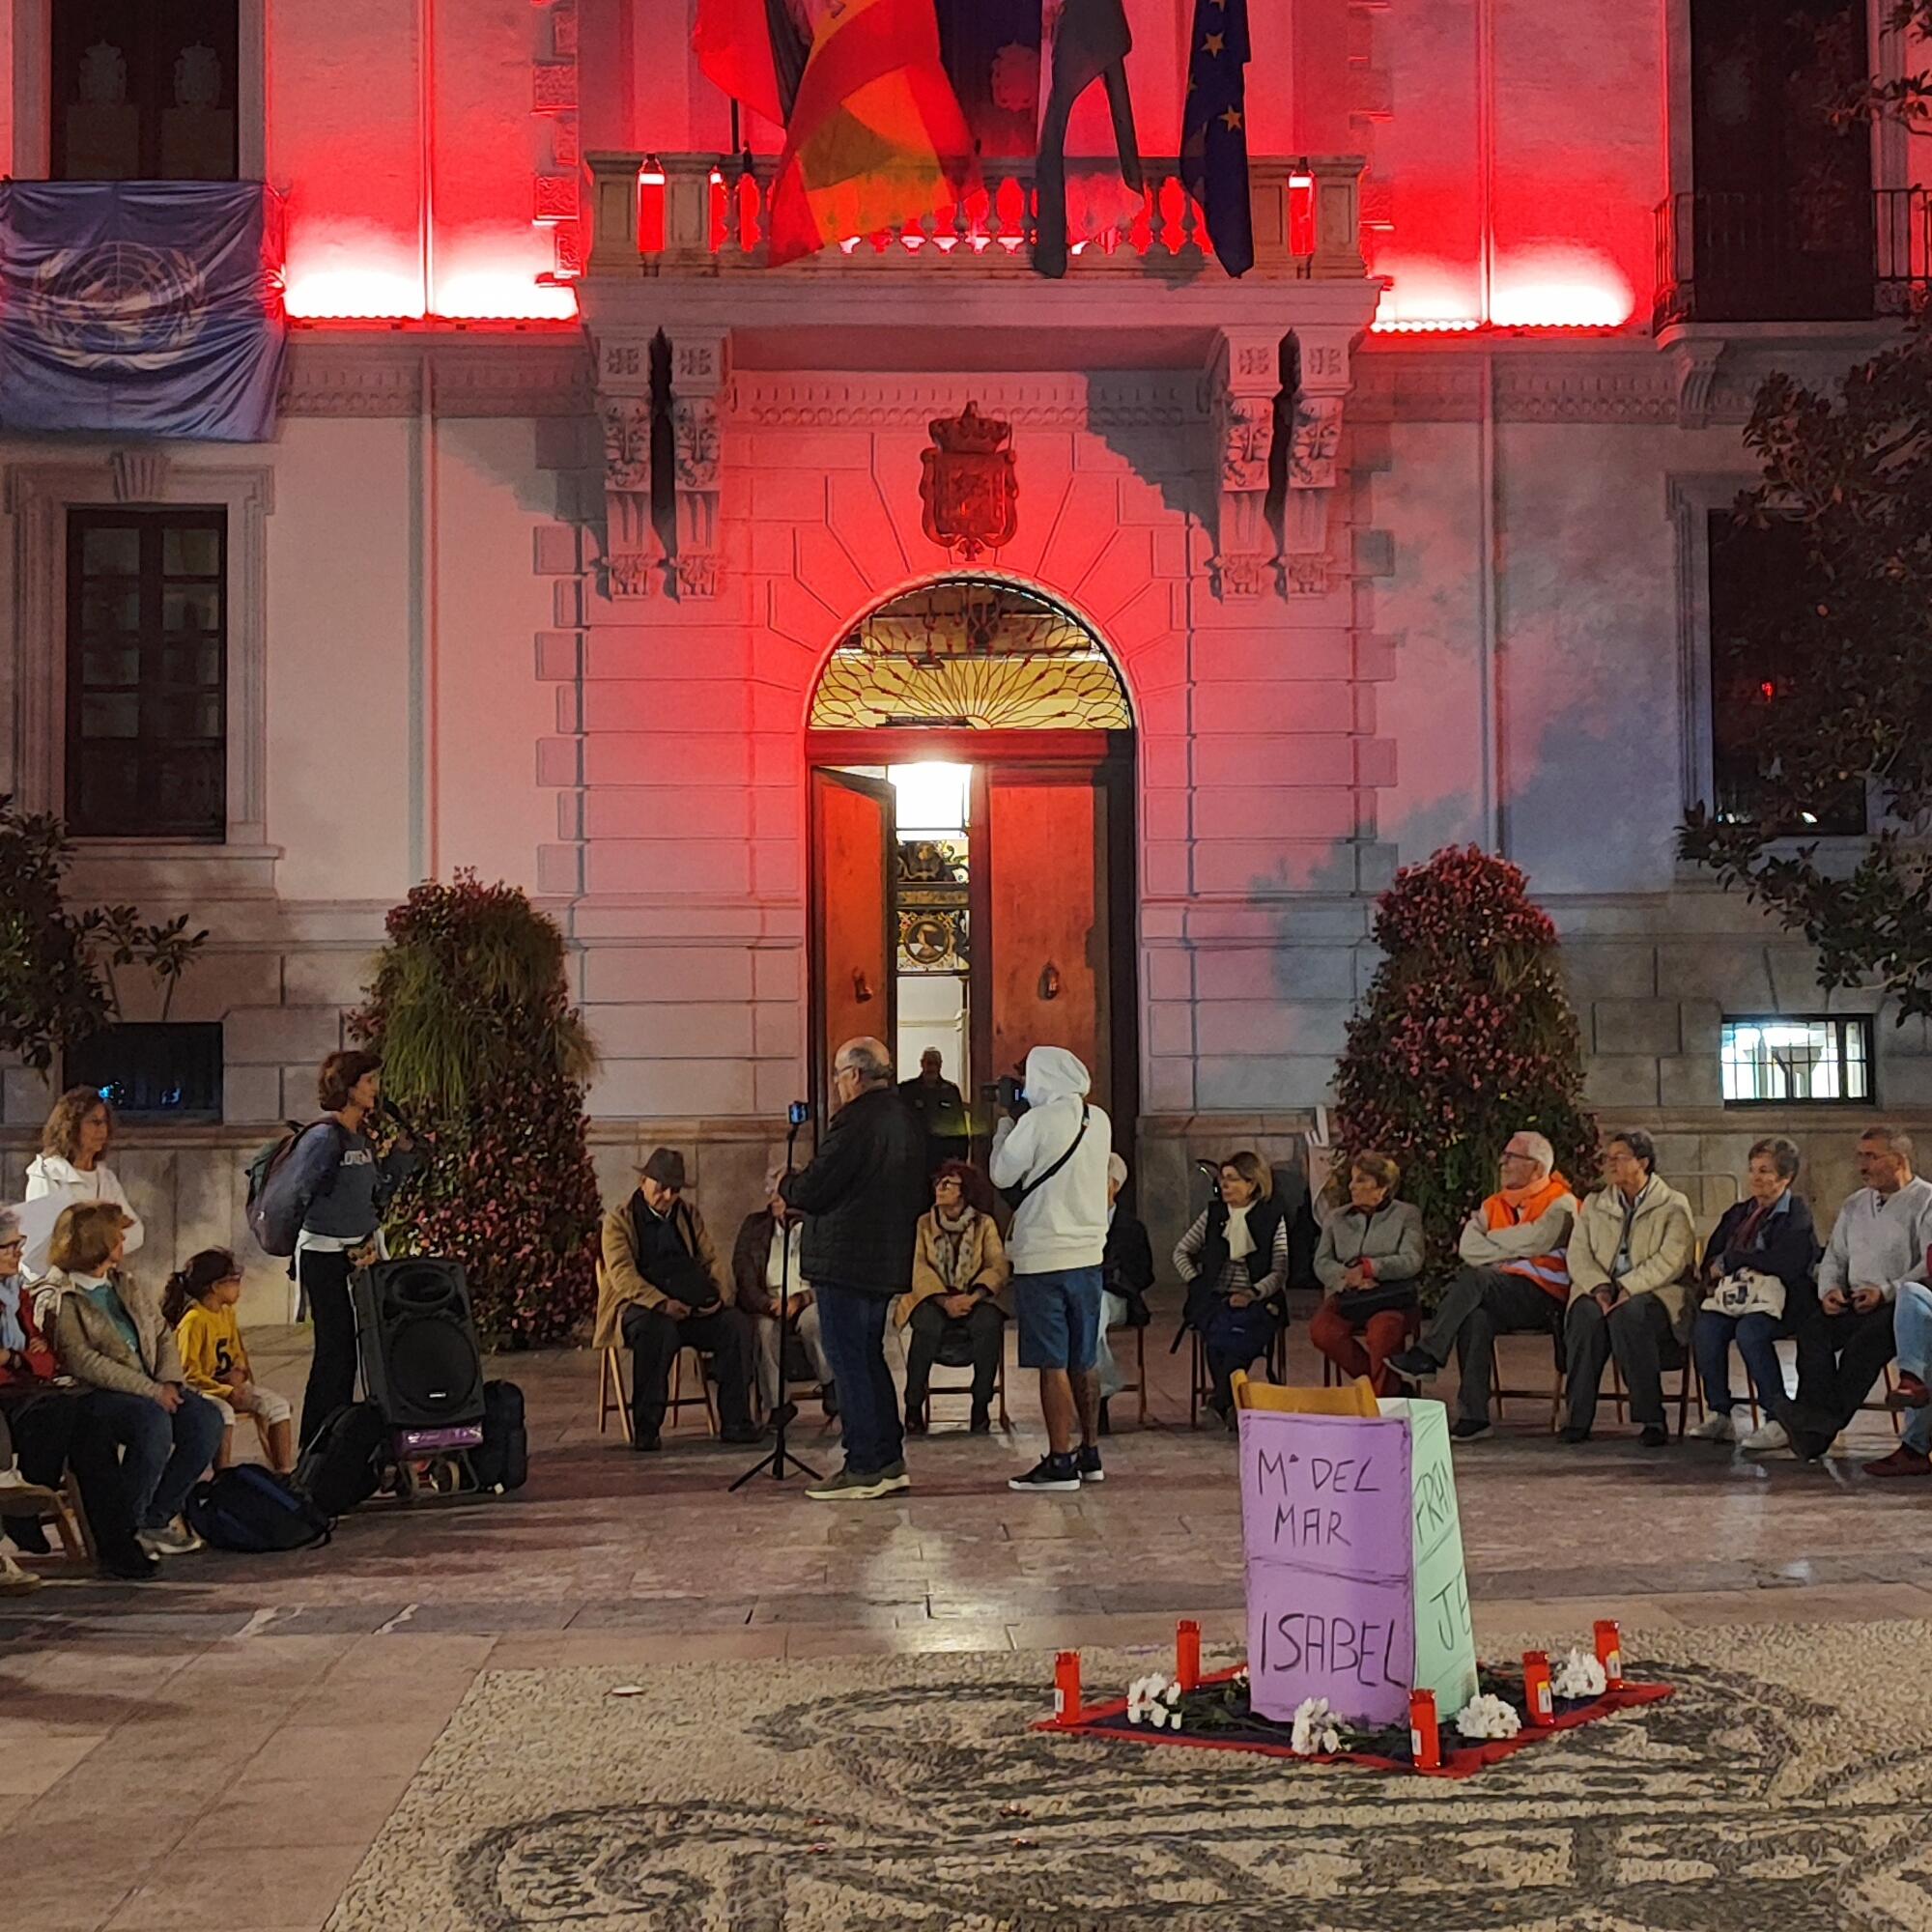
(1514,149)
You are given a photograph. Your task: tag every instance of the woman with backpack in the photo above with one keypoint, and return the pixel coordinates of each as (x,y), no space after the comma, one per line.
(347,1186)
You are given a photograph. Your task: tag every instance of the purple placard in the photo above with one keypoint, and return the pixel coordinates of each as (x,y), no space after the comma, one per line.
(1325,1525)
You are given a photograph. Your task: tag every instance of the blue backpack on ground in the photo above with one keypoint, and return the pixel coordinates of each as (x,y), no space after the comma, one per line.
(252,1510)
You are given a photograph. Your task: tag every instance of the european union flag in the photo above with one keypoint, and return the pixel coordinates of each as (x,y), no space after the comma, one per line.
(1214,129)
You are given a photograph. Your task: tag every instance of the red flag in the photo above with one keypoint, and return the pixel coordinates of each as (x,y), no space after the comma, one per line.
(876,136)
(733,42)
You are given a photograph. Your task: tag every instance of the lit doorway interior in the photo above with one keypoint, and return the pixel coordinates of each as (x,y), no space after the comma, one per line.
(931,889)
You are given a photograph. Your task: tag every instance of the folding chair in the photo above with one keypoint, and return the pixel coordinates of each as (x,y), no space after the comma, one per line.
(1499,1395)
(613,1391)
(1201,1387)
(956,1352)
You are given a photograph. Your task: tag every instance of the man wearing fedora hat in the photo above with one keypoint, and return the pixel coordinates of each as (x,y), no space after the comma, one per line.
(660,1289)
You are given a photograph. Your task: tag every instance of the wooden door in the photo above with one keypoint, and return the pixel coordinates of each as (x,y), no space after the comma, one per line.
(1046,958)
(852,915)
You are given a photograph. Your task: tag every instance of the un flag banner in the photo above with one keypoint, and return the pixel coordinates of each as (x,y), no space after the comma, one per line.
(146,308)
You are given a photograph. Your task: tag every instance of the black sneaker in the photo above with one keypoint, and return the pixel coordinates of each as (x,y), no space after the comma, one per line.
(1464,1430)
(741,1434)
(29,1534)
(1087,1463)
(981,1423)
(1655,1435)
(131,1565)
(1413,1365)
(644,1445)
(1573,1434)
(1051,1472)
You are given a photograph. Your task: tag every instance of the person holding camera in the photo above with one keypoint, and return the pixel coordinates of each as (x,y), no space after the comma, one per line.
(660,1289)
(862,1194)
(1050,1155)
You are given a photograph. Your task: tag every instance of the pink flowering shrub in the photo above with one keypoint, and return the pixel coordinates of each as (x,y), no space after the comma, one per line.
(1467,1036)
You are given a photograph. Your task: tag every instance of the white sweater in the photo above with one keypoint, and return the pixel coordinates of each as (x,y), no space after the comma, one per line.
(48,1175)
(1879,1240)
(1062,1224)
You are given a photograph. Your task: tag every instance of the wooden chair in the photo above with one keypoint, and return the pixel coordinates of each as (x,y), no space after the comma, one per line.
(613,1391)
(1138,1387)
(61,1507)
(1501,1394)
(935,1387)
(1331,1376)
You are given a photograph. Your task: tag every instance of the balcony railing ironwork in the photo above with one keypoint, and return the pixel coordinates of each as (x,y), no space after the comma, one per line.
(1796,257)
(698,215)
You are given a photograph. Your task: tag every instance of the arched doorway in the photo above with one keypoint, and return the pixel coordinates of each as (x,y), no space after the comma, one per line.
(973,886)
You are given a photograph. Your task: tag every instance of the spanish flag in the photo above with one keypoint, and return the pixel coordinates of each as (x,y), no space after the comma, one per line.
(877,138)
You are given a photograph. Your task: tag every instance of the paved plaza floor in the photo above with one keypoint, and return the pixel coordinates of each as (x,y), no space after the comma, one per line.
(221,1747)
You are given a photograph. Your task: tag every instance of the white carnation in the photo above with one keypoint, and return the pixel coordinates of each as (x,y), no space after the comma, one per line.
(1312,1729)
(1579,1673)
(1487,1716)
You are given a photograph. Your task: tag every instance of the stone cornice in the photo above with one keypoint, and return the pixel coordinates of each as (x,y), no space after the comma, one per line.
(358,372)
(1614,379)
(1149,399)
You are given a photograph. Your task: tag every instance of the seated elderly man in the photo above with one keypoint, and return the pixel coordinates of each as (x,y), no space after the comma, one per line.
(1515,1279)
(764,1271)
(1878,1250)
(660,1290)
(1631,1263)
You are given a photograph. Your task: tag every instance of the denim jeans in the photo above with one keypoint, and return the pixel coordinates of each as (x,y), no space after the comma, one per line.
(1756,1337)
(161,1455)
(852,1331)
(1912,1324)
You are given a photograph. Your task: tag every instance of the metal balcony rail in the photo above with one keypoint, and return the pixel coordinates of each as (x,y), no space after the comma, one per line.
(703,214)
(1806,255)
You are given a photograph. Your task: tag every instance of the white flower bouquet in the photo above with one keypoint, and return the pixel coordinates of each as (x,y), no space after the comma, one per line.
(1578,1674)
(1487,1716)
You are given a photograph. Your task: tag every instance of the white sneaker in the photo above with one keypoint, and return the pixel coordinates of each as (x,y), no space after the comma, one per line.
(1767,1436)
(174,1538)
(1716,1427)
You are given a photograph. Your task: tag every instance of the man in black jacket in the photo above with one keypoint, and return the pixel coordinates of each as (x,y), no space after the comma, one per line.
(864,1192)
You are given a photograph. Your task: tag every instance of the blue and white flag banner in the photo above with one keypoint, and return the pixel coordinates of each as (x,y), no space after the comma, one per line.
(143,308)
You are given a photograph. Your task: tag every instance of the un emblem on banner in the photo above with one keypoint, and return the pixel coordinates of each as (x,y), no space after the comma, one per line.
(123,303)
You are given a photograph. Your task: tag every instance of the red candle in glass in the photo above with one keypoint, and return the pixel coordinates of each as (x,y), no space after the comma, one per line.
(1424,1740)
(1187,1653)
(1067,1687)
(1537,1694)
(1610,1652)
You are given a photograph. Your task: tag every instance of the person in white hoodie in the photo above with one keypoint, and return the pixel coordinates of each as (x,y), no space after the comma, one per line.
(1052,1162)
(72,1166)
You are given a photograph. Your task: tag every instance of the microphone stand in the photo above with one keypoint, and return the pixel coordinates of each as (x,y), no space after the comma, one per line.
(778,1457)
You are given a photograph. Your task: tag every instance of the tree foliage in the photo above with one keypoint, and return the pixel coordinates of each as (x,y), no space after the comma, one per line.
(1466,1038)
(1853,472)
(486,1056)
(58,966)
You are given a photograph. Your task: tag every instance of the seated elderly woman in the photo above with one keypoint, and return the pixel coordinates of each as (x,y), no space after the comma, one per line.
(1368,1258)
(1760,1283)
(960,1277)
(1234,1262)
(111,1337)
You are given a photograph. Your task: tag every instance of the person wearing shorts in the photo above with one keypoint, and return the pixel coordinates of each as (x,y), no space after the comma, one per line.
(1053,1159)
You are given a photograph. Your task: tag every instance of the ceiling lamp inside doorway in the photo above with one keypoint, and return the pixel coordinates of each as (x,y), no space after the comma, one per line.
(980,652)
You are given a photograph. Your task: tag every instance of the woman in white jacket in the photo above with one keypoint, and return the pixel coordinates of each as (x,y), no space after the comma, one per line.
(72,1166)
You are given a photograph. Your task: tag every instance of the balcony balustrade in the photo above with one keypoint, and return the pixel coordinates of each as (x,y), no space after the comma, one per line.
(698,215)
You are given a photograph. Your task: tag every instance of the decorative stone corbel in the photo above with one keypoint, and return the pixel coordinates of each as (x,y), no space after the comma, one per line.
(1247,380)
(632,553)
(697,380)
(1696,363)
(1313,467)
(140,475)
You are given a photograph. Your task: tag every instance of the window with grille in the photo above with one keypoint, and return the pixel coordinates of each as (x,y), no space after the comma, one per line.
(147,671)
(144,91)
(1756,577)
(151,1069)
(1784,1059)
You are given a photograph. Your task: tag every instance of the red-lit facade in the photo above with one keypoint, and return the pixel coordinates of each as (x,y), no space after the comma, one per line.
(1399,539)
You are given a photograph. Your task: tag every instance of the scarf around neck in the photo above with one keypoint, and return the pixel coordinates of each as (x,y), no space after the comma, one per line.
(951,1246)
(1240,1242)
(13,1330)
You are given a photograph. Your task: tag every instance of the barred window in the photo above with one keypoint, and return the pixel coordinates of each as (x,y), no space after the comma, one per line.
(144,91)
(1783,1058)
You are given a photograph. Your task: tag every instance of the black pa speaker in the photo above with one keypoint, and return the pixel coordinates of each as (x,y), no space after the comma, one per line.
(422,1365)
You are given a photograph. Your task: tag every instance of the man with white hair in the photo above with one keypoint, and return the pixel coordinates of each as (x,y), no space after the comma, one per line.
(862,1195)
(1515,1280)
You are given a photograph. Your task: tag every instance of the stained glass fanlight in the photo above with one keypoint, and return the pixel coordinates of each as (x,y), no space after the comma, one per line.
(984,653)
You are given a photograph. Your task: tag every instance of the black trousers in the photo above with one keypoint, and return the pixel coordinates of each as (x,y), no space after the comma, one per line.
(331,1371)
(1839,1358)
(982,1331)
(1638,1332)
(54,1431)
(654,1339)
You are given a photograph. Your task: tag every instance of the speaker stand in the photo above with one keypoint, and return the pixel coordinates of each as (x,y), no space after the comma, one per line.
(780,1462)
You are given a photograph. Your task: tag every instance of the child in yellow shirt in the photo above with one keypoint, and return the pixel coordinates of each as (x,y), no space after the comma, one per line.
(200,1301)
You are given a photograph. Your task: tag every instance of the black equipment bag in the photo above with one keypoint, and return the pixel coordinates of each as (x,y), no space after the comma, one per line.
(342,1465)
(502,1461)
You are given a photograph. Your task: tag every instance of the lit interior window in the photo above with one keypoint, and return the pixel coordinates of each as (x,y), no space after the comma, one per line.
(931,798)
(1819,1060)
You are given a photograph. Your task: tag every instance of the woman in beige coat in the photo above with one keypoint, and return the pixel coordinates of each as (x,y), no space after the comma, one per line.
(1632,1257)
(960,1276)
